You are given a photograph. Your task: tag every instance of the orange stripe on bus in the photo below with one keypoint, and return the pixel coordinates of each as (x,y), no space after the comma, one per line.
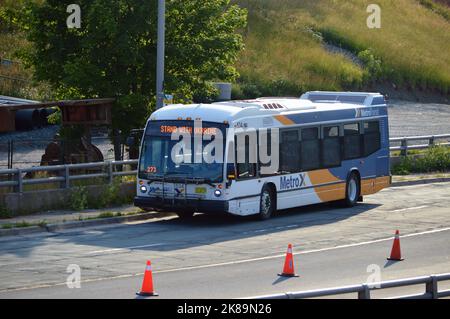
(331,192)
(374,185)
(284,120)
(322,176)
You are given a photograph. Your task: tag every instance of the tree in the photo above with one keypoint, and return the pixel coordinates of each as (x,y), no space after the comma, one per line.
(113,54)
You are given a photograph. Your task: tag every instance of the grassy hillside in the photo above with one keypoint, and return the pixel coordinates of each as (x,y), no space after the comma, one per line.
(288,48)
(12,75)
(15,79)
(285,46)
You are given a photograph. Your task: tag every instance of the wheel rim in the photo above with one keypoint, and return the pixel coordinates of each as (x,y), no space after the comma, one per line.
(352,190)
(266,203)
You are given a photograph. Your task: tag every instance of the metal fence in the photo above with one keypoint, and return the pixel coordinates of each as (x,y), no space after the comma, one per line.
(23,153)
(405,146)
(64,174)
(363,291)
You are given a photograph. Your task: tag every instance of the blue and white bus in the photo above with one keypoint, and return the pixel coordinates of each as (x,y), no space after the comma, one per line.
(328,146)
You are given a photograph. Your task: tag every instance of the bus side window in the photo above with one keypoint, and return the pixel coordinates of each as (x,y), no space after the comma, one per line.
(310,149)
(289,152)
(265,146)
(352,141)
(246,169)
(331,147)
(372,138)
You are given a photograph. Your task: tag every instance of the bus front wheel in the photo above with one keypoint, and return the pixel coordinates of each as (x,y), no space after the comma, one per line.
(267,203)
(352,190)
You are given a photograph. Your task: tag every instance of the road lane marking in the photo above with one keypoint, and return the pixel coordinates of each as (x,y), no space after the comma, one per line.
(409,208)
(269,229)
(439,230)
(122,248)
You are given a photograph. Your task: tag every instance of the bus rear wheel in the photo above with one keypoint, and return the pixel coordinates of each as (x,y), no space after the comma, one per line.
(352,190)
(267,203)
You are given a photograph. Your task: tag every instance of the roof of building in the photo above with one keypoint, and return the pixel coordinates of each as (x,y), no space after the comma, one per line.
(13,103)
(9,101)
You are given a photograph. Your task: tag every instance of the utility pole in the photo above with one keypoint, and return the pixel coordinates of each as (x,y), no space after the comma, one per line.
(160,54)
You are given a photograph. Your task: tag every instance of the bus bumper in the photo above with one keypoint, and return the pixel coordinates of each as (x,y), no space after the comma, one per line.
(173,204)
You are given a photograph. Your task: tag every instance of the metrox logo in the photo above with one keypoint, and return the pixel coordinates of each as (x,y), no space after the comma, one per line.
(292,182)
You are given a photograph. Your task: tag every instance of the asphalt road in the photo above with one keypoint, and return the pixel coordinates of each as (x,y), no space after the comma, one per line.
(221,257)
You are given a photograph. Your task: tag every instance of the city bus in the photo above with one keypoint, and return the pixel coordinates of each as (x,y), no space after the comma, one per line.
(323,147)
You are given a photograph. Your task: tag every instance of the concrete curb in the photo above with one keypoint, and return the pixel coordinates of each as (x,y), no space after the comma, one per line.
(422,181)
(21,231)
(81,224)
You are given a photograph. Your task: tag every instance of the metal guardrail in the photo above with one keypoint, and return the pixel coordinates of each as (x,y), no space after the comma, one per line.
(363,291)
(404,143)
(18,180)
(15,177)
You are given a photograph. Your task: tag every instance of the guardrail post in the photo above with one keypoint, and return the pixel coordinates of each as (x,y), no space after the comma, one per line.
(66,176)
(365,293)
(9,154)
(431,141)
(110,172)
(404,150)
(19,181)
(12,153)
(432,288)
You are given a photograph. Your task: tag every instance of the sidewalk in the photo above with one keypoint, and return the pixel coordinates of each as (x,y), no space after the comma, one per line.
(62,216)
(404,180)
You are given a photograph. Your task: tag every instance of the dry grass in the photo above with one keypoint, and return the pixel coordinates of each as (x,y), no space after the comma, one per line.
(413,43)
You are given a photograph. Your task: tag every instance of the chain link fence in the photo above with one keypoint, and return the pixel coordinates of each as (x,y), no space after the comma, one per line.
(20,153)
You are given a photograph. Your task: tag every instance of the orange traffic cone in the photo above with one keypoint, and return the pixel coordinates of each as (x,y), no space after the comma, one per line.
(147,285)
(288,270)
(396,253)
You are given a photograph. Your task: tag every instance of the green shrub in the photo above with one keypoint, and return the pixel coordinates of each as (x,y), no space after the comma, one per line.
(436,159)
(106,215)
(22,224)
(4,212)
(55,118)
(111,196)
(79,198)
(372,64)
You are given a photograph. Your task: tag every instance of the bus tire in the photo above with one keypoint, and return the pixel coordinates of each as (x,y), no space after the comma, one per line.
(266,203)
(185,215)
(352,190)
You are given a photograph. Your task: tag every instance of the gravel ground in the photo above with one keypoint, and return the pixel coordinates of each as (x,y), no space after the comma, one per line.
(406,119)
(413,119)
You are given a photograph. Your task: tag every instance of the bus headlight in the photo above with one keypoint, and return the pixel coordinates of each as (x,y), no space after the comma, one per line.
(144,189)
(218,193)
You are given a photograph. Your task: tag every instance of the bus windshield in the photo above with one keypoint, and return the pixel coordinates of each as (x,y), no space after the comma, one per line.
(156,160)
